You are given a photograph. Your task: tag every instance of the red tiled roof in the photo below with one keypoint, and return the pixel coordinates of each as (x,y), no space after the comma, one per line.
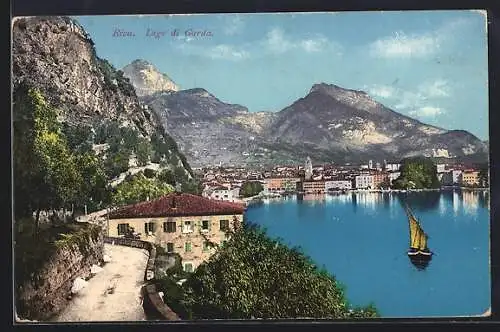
(177,205)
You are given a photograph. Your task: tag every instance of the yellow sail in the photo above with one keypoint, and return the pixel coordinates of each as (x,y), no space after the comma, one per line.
(414,232)
(423,241)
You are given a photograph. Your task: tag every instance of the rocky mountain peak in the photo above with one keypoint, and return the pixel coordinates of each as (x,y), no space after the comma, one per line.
(147,79)
(354,98)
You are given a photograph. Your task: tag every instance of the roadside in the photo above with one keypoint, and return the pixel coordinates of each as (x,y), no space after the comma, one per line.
(114,294)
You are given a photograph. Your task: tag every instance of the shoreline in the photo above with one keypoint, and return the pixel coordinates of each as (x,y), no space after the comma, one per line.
(260,197)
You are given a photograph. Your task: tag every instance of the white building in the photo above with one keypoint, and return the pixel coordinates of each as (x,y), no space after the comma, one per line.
(221,193)
(457,176)
(441,168)
(338,185)
(392,167)
(393,176)
(364,181)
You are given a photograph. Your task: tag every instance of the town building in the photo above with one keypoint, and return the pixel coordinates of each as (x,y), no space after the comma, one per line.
(470,178)
(313,187)
(364,181)
(338,185)
(441,168)
(280,185)
(393,176)
(452,177)
(222,193)
(180,223)
(392,167)
(380,178)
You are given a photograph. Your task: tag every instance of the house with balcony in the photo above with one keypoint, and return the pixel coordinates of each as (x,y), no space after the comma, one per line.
(338,185)
(180,223)
(364,181)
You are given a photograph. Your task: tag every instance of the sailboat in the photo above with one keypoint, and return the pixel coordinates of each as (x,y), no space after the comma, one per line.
(418,253)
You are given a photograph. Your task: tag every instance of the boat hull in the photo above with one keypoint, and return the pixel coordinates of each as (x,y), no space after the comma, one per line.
(419,258)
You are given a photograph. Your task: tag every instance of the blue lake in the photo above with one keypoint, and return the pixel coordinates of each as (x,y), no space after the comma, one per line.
(363,238)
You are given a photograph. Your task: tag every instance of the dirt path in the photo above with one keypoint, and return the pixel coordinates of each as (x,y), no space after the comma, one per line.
(114,293)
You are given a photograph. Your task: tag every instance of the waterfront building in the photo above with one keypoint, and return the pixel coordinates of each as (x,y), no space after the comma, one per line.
(313,187)
(392,167)
(470,178)
(393,176)
(457,176)
(180,223)
(338,185)
(279,185)
(379,178)
(364,181)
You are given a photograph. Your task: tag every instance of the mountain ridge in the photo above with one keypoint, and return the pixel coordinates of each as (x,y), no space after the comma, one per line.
(339,123)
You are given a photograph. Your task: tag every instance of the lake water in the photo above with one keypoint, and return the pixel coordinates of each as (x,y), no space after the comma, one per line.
(363,238)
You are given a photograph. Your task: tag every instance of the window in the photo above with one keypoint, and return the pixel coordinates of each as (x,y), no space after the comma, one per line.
(122,229)
(188,267)
(169,226)
(187,227)
(170,247)
(205,225)
(149,227)
(187,247)
(206,246)
(225,196)
(224,225)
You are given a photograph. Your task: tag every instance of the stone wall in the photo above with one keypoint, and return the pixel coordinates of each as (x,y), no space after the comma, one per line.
(49,291)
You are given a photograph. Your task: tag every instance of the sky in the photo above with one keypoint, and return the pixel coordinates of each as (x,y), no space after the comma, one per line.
(430,65)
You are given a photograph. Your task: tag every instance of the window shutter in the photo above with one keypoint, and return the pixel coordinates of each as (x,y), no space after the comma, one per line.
(118,229)
(145,228)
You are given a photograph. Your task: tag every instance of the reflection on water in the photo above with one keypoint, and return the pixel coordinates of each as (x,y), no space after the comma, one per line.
(468,200)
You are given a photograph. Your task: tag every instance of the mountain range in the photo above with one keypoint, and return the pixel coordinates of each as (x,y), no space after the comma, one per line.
(330,124)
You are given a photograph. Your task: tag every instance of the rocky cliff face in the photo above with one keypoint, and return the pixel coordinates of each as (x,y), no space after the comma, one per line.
(56,55)
(147,79)
(50,290)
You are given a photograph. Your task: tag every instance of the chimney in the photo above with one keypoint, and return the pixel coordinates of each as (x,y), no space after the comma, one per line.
(174,206)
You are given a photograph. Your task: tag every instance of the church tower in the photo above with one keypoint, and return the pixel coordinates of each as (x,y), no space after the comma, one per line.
(308,169)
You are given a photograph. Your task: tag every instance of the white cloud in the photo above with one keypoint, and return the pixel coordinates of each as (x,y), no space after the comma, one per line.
(402,46)
(278,43)
(221,51)
(383,91)
(424,101)
(227,52)
(234,25)
(438,88)
(427,112)
(275,42)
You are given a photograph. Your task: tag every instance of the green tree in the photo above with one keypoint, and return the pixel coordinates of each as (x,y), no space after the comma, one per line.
(45,170)
(251,188)
(94,190)
(143,152)
(417,173)
(139,188)
(254,276)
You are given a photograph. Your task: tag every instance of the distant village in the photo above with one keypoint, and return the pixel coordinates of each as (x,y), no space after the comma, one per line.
(224,183)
